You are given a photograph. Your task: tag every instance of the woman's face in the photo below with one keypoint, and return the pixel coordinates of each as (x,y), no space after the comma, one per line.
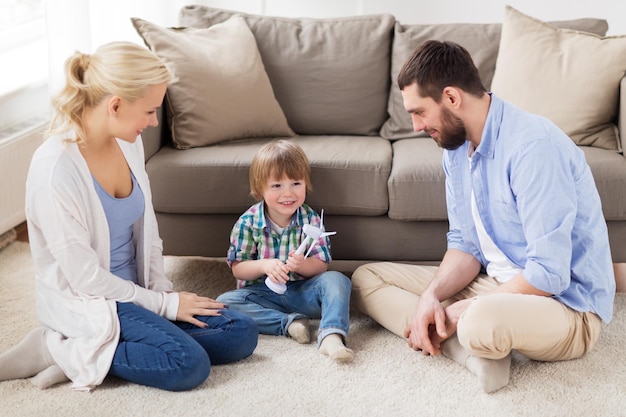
(133,117)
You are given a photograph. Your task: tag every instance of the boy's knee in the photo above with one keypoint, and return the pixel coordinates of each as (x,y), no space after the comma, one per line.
(229,297)
(337,280)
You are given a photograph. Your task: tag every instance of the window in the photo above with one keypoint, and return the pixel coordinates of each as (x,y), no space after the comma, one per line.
(24,58)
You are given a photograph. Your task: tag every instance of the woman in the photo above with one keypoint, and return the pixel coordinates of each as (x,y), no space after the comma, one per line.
(102,296)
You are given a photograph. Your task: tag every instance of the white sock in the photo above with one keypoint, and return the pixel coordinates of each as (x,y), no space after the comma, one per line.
(492,374)
(48,377)
(299,330)
(333,347)
(27,358)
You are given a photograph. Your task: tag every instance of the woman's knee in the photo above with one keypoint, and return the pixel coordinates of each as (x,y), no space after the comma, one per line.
(248,334)
(193,369)
(245,331)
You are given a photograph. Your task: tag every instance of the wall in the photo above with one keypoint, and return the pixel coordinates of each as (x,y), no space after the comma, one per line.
(16,151)
(443,11)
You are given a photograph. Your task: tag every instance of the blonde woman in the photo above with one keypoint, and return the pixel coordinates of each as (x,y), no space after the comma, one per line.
(102,296)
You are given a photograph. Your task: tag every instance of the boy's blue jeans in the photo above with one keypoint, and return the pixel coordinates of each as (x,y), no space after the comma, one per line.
(177,356)
(325,296)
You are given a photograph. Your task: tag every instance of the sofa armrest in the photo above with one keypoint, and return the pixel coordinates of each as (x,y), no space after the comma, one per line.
(621,116)
(154,137)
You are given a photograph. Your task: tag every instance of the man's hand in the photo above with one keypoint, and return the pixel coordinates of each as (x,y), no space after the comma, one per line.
(453,313)
(428,326)
(191,305)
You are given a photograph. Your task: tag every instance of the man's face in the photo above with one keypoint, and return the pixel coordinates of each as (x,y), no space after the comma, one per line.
(434,119)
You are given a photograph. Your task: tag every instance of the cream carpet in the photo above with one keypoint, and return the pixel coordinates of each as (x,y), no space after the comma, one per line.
(283,378)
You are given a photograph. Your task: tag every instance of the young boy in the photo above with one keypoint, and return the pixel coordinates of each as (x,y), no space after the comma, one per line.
(263,244)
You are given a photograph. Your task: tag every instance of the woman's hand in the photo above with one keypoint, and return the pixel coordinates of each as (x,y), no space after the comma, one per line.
(191,305)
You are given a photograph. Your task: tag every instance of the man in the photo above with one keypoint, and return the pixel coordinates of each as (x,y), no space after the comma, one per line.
(528,265)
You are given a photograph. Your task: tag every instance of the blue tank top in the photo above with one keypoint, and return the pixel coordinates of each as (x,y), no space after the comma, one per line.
(121,214)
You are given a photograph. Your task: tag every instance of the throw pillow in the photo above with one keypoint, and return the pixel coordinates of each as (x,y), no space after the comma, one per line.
(221,90)
(331,76)
(570,77)
(480,39)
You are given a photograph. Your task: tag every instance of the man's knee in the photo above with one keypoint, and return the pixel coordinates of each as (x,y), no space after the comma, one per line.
(482,331)
(366,277)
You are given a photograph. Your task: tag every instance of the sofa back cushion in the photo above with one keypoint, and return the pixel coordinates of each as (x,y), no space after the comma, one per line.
(330,76)
(220,89)
(570,77)
(482,42)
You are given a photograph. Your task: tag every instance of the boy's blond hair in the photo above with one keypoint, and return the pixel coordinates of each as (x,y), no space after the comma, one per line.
(278,159)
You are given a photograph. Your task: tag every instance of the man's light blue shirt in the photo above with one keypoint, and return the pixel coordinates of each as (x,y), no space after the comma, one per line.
(538,202)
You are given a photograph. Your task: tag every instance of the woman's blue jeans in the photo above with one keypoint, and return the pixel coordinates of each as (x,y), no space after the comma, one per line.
(177,356)
(325,296)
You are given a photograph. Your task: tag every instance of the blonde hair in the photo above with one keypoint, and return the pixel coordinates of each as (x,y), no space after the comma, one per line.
(117,68)
(278,159)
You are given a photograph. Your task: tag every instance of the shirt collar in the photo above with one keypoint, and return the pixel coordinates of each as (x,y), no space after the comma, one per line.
(491,130)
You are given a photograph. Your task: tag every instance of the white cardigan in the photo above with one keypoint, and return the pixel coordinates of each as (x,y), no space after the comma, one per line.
(69,240)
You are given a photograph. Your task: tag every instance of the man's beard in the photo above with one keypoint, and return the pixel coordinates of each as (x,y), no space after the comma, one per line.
(452,133)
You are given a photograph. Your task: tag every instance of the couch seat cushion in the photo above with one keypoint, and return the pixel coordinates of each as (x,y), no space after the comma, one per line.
(330,76)
(349,175)
(417,181)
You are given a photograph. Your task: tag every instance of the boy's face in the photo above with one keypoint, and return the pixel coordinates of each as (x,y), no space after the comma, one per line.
(283,197)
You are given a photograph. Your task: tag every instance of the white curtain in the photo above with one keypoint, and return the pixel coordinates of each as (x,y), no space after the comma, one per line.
(84,25)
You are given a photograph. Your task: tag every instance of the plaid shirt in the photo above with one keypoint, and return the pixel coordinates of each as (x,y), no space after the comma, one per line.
(252,238)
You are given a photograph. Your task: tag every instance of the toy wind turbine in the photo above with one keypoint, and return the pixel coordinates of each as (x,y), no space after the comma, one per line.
(310,232)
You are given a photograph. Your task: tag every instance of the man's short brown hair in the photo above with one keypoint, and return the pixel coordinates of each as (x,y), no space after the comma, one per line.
(436,65)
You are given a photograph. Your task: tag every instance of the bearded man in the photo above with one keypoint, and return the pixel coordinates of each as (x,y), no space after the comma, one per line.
(528,264)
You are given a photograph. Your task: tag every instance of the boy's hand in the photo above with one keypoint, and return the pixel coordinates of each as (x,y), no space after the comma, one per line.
(295,261)
(276,270)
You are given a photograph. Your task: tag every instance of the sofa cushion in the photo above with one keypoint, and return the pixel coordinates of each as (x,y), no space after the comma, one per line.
(221,90)
(349,176)
(481,40)
(330,76)
(609,173)
(417,181)
(570,77)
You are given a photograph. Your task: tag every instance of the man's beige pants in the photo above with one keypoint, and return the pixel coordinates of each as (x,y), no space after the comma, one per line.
(540,328)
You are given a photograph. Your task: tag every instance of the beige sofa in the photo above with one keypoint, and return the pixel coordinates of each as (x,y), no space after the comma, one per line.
(333,91)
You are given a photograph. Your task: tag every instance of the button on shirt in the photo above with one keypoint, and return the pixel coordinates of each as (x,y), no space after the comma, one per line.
(252,238)
(538,202)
